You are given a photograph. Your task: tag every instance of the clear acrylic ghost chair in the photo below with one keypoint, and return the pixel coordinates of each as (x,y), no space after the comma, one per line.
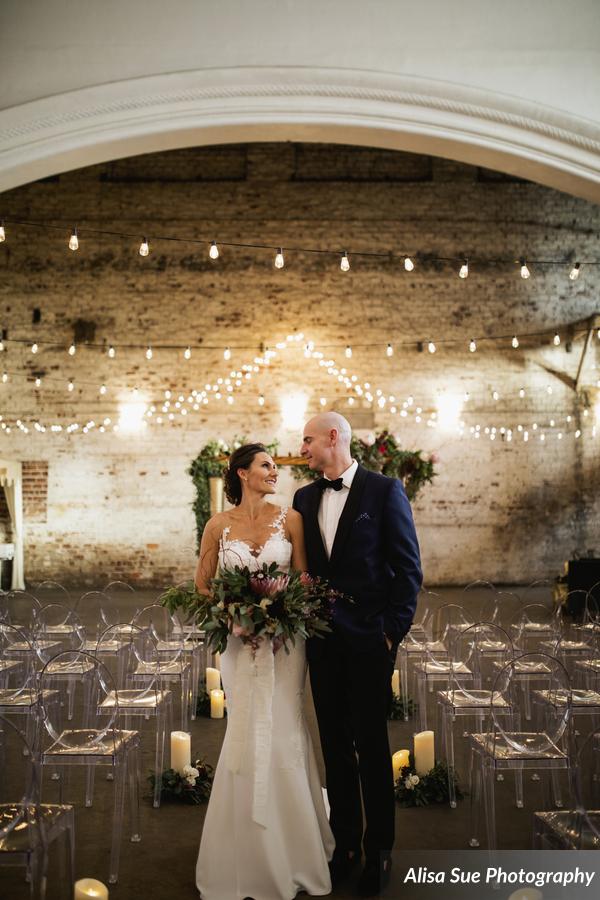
(434,668)
(150,702)
(64,673)
(584,645)
(58,622)
(416,643)
(576,828)
(481,597)
(28,828)
(534,623)
(81,743)
(172,666)
(539,591)
(184,625)
(461,700)
(20,608)
(19,694)
(504,746)
(52,592)
(590,616)
(122,603)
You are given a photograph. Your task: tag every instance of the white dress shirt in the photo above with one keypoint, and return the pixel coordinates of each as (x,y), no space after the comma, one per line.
(332,504)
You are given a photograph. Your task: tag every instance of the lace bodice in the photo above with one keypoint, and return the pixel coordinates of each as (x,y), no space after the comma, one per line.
(277,548)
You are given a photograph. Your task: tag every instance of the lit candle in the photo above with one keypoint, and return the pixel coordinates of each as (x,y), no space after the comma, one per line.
(181,750)
(527,894)
(396,683)
(400,759)
(213,680)
(89,887)
(424,752)
(217,705)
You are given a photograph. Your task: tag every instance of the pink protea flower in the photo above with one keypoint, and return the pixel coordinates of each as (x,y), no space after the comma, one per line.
(240,631)
(306,580)
(268,587)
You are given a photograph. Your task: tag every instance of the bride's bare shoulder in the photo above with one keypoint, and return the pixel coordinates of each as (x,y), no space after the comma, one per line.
(217,523)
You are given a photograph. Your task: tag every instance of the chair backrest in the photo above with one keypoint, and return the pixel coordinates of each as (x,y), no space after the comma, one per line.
(20,608)
(427,602)
(535,622)
(447,621)
(20,792)
(557,729)
(58,619)
(469,648)
(17,669)
(157,620)
(482,600)
(137,647)
(52,592)
(121,605)
(591,608)
(83,727)
(95,609)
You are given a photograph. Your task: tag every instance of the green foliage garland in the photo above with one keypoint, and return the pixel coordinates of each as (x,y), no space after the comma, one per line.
(385,456)
(397,707)
(179,789)
(423,790)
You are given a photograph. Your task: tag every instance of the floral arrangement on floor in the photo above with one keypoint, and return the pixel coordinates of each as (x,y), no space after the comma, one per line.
(423,790)
(193,786)
(265,603)
(383,454)
(397,707)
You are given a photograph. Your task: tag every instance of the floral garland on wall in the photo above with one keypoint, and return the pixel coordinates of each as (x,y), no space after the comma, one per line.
(382,454)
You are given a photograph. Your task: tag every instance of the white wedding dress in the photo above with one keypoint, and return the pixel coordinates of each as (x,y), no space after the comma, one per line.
(266,833)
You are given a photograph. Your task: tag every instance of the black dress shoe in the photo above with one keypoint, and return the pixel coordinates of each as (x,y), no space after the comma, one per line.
(342,863)
(375,876)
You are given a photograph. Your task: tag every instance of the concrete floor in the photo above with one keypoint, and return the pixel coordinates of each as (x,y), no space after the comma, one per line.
(162,865)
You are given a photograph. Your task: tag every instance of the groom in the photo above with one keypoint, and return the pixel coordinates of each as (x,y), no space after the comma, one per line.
(360,536)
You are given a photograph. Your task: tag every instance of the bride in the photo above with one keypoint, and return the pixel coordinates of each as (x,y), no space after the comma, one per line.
(266,834)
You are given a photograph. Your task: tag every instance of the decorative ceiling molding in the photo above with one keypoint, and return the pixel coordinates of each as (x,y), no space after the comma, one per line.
(224,105)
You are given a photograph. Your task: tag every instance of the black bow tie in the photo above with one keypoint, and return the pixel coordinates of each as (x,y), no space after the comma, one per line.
(336,484)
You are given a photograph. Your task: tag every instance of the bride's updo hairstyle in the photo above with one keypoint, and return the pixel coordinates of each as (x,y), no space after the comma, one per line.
(239,459)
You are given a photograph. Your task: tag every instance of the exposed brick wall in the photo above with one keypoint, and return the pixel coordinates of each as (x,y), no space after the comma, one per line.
(35,491)
(120,506)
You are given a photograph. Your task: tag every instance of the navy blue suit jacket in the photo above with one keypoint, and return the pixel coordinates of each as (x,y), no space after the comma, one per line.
(374,560)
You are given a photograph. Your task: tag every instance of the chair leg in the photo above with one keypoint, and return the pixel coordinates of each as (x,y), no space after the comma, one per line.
(120,775)
(158,753)
(404,683)
(519,787)
(89,784)
(489,786)
(422,697)
(475,764)
(133,770)
(448,734)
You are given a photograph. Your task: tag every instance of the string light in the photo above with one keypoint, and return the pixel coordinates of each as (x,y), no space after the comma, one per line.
(408,264)
(279,260)
(1,344)
(431,347)
(525,273)
(102,389)
(72,350)
(464,269)
(574,273)
(70,385)
(144,247)
(261,400)
(187,353)
(348,352)
(112,352)
(34,348)
(515,342)
(227,353)
(556,339)
(74,240)
(390,350)
(472,345)
(149,352)
(344,262)
(4,377)
(2,232)
(213,250)
(38,381)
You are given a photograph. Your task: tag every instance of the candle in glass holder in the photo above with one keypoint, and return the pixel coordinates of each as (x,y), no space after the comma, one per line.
(181,750)
(424,752)
(217,704)
(396,682)
(400,759)
(89,887)
(213,680)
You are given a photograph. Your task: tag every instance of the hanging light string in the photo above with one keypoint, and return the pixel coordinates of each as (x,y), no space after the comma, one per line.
(464,264)
(510,340)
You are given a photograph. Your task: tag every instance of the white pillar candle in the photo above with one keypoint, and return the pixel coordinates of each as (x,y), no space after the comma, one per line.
(89,887)
(217,705)
(181,750)
(400,759)
(213,680)
(424,752)
(396,682)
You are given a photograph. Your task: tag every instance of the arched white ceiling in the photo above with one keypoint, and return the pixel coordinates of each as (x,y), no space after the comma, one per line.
(510,86)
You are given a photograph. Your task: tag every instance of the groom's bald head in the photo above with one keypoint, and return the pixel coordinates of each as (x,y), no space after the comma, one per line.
(326,443)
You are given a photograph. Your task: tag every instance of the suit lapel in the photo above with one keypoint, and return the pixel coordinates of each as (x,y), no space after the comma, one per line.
(312,533)
(348,514)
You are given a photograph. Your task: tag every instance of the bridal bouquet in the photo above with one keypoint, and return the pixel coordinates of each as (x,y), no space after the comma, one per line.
(265,603)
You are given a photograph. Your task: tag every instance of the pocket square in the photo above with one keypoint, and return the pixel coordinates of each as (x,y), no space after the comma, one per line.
(364,517)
